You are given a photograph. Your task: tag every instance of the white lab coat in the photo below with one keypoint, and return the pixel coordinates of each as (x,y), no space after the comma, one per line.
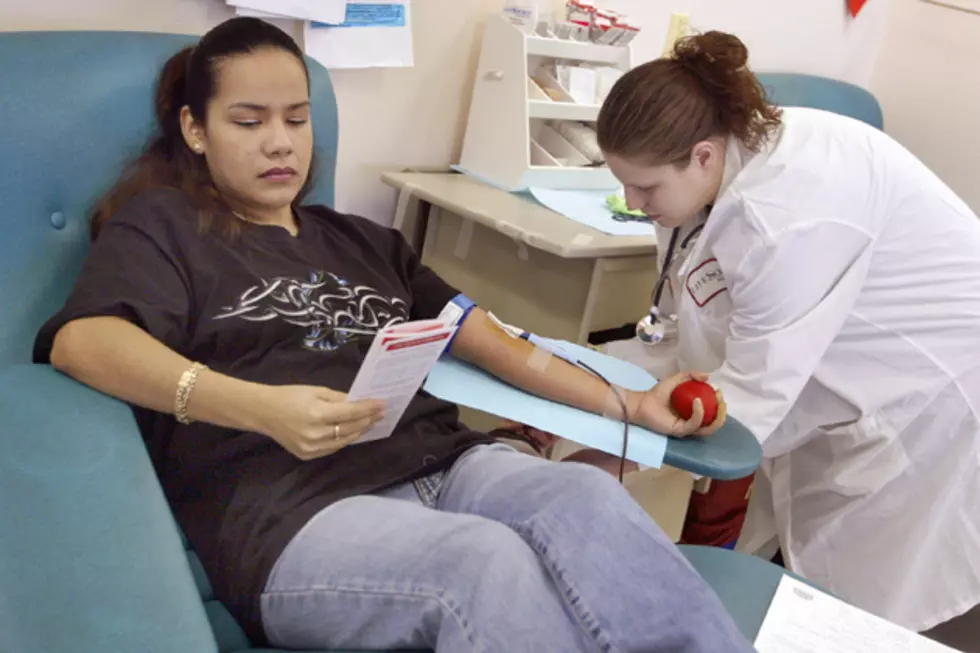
(835,291)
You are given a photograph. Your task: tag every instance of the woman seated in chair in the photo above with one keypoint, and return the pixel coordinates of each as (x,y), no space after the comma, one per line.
(232,318)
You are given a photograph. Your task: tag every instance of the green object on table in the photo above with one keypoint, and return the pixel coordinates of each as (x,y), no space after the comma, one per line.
(617,204)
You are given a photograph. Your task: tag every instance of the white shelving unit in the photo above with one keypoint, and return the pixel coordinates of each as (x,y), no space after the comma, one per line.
(509,114)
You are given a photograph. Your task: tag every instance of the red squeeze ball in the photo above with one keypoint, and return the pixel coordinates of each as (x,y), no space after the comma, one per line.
(683,396)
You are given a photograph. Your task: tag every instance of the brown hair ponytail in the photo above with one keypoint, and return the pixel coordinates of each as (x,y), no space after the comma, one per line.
(170,97)
(660,110)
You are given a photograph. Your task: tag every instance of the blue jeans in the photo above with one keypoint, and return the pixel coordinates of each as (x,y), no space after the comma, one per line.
(515,554)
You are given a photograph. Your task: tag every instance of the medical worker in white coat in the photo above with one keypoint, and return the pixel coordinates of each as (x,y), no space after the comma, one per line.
(831,283)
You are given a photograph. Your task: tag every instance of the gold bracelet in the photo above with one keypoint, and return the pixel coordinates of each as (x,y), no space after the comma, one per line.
(184,389)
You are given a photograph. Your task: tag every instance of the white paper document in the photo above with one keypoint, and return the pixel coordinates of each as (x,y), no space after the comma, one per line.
(254,13)
(804,620)
(324,11)
(395,367)
(372,35)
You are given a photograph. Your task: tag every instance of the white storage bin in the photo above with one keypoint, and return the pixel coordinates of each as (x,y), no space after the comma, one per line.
(507,105)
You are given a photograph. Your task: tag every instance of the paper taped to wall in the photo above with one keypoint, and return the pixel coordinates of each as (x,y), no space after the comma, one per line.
(325,11)
(374,14)
(374,34)
(255,13)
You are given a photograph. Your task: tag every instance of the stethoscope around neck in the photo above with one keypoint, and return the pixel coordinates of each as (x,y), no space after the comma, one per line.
(651,330)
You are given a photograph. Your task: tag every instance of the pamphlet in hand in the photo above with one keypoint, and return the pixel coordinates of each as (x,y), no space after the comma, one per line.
(395,367)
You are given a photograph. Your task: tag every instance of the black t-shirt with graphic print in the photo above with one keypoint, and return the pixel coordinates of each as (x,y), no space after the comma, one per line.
(271,308)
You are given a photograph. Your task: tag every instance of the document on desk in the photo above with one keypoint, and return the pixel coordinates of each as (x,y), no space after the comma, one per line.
(589,207)
(395,367)
(804,620)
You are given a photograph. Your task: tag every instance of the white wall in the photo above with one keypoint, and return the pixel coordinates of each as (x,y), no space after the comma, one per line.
(172,16)
(415,117)
(928,82)
(806,36)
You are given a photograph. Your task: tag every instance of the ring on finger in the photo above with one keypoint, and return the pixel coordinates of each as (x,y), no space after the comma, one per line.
(336,431)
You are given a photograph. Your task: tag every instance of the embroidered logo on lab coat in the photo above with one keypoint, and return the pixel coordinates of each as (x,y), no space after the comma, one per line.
(706,282)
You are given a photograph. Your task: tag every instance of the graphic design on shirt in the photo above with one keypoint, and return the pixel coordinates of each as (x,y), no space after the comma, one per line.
(334,310)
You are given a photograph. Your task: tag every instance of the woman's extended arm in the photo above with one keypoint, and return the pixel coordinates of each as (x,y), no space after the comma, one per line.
(520,364)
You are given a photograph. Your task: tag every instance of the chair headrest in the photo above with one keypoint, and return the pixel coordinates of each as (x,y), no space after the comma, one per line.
(814,92)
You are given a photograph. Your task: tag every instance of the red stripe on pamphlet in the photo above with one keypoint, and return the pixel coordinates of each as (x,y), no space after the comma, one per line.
(402,343)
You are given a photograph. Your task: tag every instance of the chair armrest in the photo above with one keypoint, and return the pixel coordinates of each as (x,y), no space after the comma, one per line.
(90,557)
(731,453)
(745,584)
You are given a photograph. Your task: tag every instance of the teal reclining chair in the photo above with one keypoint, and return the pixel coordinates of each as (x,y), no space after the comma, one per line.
(815,92)
(91,560)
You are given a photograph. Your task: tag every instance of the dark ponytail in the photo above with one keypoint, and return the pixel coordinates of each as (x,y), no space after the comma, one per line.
(171,96)
(189,79)
(660,110)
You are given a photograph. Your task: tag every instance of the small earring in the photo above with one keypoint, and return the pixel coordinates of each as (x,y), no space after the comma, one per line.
(198,148)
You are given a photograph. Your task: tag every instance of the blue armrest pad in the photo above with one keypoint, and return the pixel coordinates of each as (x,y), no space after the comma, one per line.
(731,453)
(90,559)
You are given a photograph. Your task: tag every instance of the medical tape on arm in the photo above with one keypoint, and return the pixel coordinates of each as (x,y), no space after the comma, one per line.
(538,342)
(540,356)
(539,359)
(615,406)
